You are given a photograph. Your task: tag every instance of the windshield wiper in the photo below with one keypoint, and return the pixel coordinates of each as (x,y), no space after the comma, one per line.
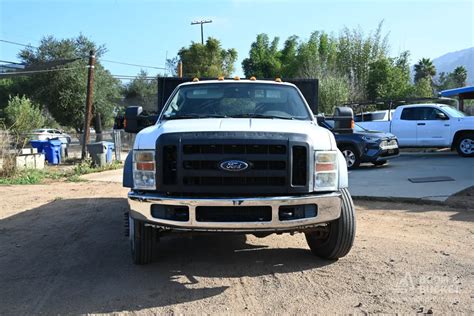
(263,116)
(193,116)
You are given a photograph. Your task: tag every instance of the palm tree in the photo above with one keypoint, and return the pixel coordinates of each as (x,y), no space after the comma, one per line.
(424,69)
(459,76)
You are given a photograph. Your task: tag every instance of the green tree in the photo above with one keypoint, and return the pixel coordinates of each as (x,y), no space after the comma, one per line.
(389,78)
(141,91)
(22,115)
(423,88)
(208,60)
(459,76)
(63,92)
(264,58)
(333,91)
(355,53)
(424,69)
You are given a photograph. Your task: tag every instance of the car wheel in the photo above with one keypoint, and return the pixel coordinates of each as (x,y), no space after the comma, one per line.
(351,156)
(335,240)
(143,240)
(380,162)
(465,145)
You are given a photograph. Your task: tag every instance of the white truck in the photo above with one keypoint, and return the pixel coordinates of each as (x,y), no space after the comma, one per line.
(429,125)
(237,156)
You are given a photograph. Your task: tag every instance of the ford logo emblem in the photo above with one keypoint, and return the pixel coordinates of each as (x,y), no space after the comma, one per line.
(234,165)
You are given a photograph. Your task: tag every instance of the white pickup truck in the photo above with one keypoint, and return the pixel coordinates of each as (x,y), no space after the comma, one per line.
(429,125)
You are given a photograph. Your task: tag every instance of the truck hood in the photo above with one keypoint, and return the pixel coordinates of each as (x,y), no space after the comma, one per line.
(466,122)
(377,134)
(321,138)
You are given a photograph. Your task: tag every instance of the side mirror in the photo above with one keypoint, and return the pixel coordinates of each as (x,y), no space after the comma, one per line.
(131,119)
(441,116)
(343,119)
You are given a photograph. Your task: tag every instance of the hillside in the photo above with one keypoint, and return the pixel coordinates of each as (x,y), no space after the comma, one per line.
(449,61)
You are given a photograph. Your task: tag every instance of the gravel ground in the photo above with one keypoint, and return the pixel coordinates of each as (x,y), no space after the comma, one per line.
(62,251)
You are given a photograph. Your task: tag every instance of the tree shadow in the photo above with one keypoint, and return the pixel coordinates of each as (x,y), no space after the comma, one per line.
(70,257)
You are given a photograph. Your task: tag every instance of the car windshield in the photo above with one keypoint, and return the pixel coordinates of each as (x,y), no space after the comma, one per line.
(357,128)
(453,112)
(237,100)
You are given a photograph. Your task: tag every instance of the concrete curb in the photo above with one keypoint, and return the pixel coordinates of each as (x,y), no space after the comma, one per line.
(419,201)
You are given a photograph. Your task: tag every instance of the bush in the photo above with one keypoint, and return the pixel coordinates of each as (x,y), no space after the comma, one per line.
(22,115)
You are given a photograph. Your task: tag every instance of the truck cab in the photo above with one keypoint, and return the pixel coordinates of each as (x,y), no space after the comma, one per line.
(237,156)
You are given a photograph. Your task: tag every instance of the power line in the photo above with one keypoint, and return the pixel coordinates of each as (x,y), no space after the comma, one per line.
(15,73)
(16,43)
(129,64)
(10,62)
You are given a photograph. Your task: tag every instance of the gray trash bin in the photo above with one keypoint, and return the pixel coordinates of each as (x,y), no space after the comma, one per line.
(98,152)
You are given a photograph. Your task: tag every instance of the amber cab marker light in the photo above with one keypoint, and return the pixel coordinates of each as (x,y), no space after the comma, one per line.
(253,78)
(278,79)
(325,167)
(236,78)
(195,79)
(352,124)
(220,78)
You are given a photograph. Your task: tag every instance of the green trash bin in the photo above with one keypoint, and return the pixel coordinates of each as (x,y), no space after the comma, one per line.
(98,152)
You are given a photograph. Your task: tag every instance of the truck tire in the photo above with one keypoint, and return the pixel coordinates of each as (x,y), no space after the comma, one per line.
(143,240)
(465,145)
(336,239)
(351,155)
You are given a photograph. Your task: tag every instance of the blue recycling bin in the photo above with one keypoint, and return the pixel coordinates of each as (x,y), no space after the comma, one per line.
(38,144)
(110,148)
(52,151)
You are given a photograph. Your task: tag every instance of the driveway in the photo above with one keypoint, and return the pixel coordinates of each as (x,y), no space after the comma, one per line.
(391,180)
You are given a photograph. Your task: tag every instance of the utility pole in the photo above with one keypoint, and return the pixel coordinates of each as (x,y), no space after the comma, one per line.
(202,31)
(180,69)
(89,99)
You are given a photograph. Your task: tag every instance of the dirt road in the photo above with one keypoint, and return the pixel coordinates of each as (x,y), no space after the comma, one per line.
(62,250)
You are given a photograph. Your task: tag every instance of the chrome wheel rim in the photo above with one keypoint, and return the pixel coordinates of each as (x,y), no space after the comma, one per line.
(467,146)
(350,157)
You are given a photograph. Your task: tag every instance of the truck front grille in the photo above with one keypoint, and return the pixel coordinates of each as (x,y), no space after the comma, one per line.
(192,164)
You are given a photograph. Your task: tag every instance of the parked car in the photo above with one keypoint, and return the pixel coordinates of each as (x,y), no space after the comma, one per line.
(373,116)
(363,145)
(50,133)
(429,125)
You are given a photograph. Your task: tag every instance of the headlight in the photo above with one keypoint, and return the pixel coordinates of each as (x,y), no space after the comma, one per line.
(370,139)
(325,175)
(144,169)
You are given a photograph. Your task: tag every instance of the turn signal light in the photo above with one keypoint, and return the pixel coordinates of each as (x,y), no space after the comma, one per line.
(146,166)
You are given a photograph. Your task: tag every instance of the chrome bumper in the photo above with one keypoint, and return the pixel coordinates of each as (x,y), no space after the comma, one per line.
(328,209)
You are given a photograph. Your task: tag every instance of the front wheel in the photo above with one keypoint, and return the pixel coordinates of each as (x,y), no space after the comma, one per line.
(143,240)
(465,145)
(351,156)
(336,239)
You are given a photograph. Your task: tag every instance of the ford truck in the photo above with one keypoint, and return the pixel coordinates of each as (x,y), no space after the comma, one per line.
(236,156)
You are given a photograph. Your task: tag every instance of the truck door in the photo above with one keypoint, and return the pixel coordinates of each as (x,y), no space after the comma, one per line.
(433,127)
(405,128)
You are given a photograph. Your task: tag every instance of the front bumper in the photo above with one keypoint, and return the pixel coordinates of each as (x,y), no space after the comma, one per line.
(328,209)
(376,153)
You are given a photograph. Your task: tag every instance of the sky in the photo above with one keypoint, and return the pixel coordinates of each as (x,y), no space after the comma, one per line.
(147,32)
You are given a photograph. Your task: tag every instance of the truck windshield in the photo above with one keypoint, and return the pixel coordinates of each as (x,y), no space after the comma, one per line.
(237,100)
(453,112)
